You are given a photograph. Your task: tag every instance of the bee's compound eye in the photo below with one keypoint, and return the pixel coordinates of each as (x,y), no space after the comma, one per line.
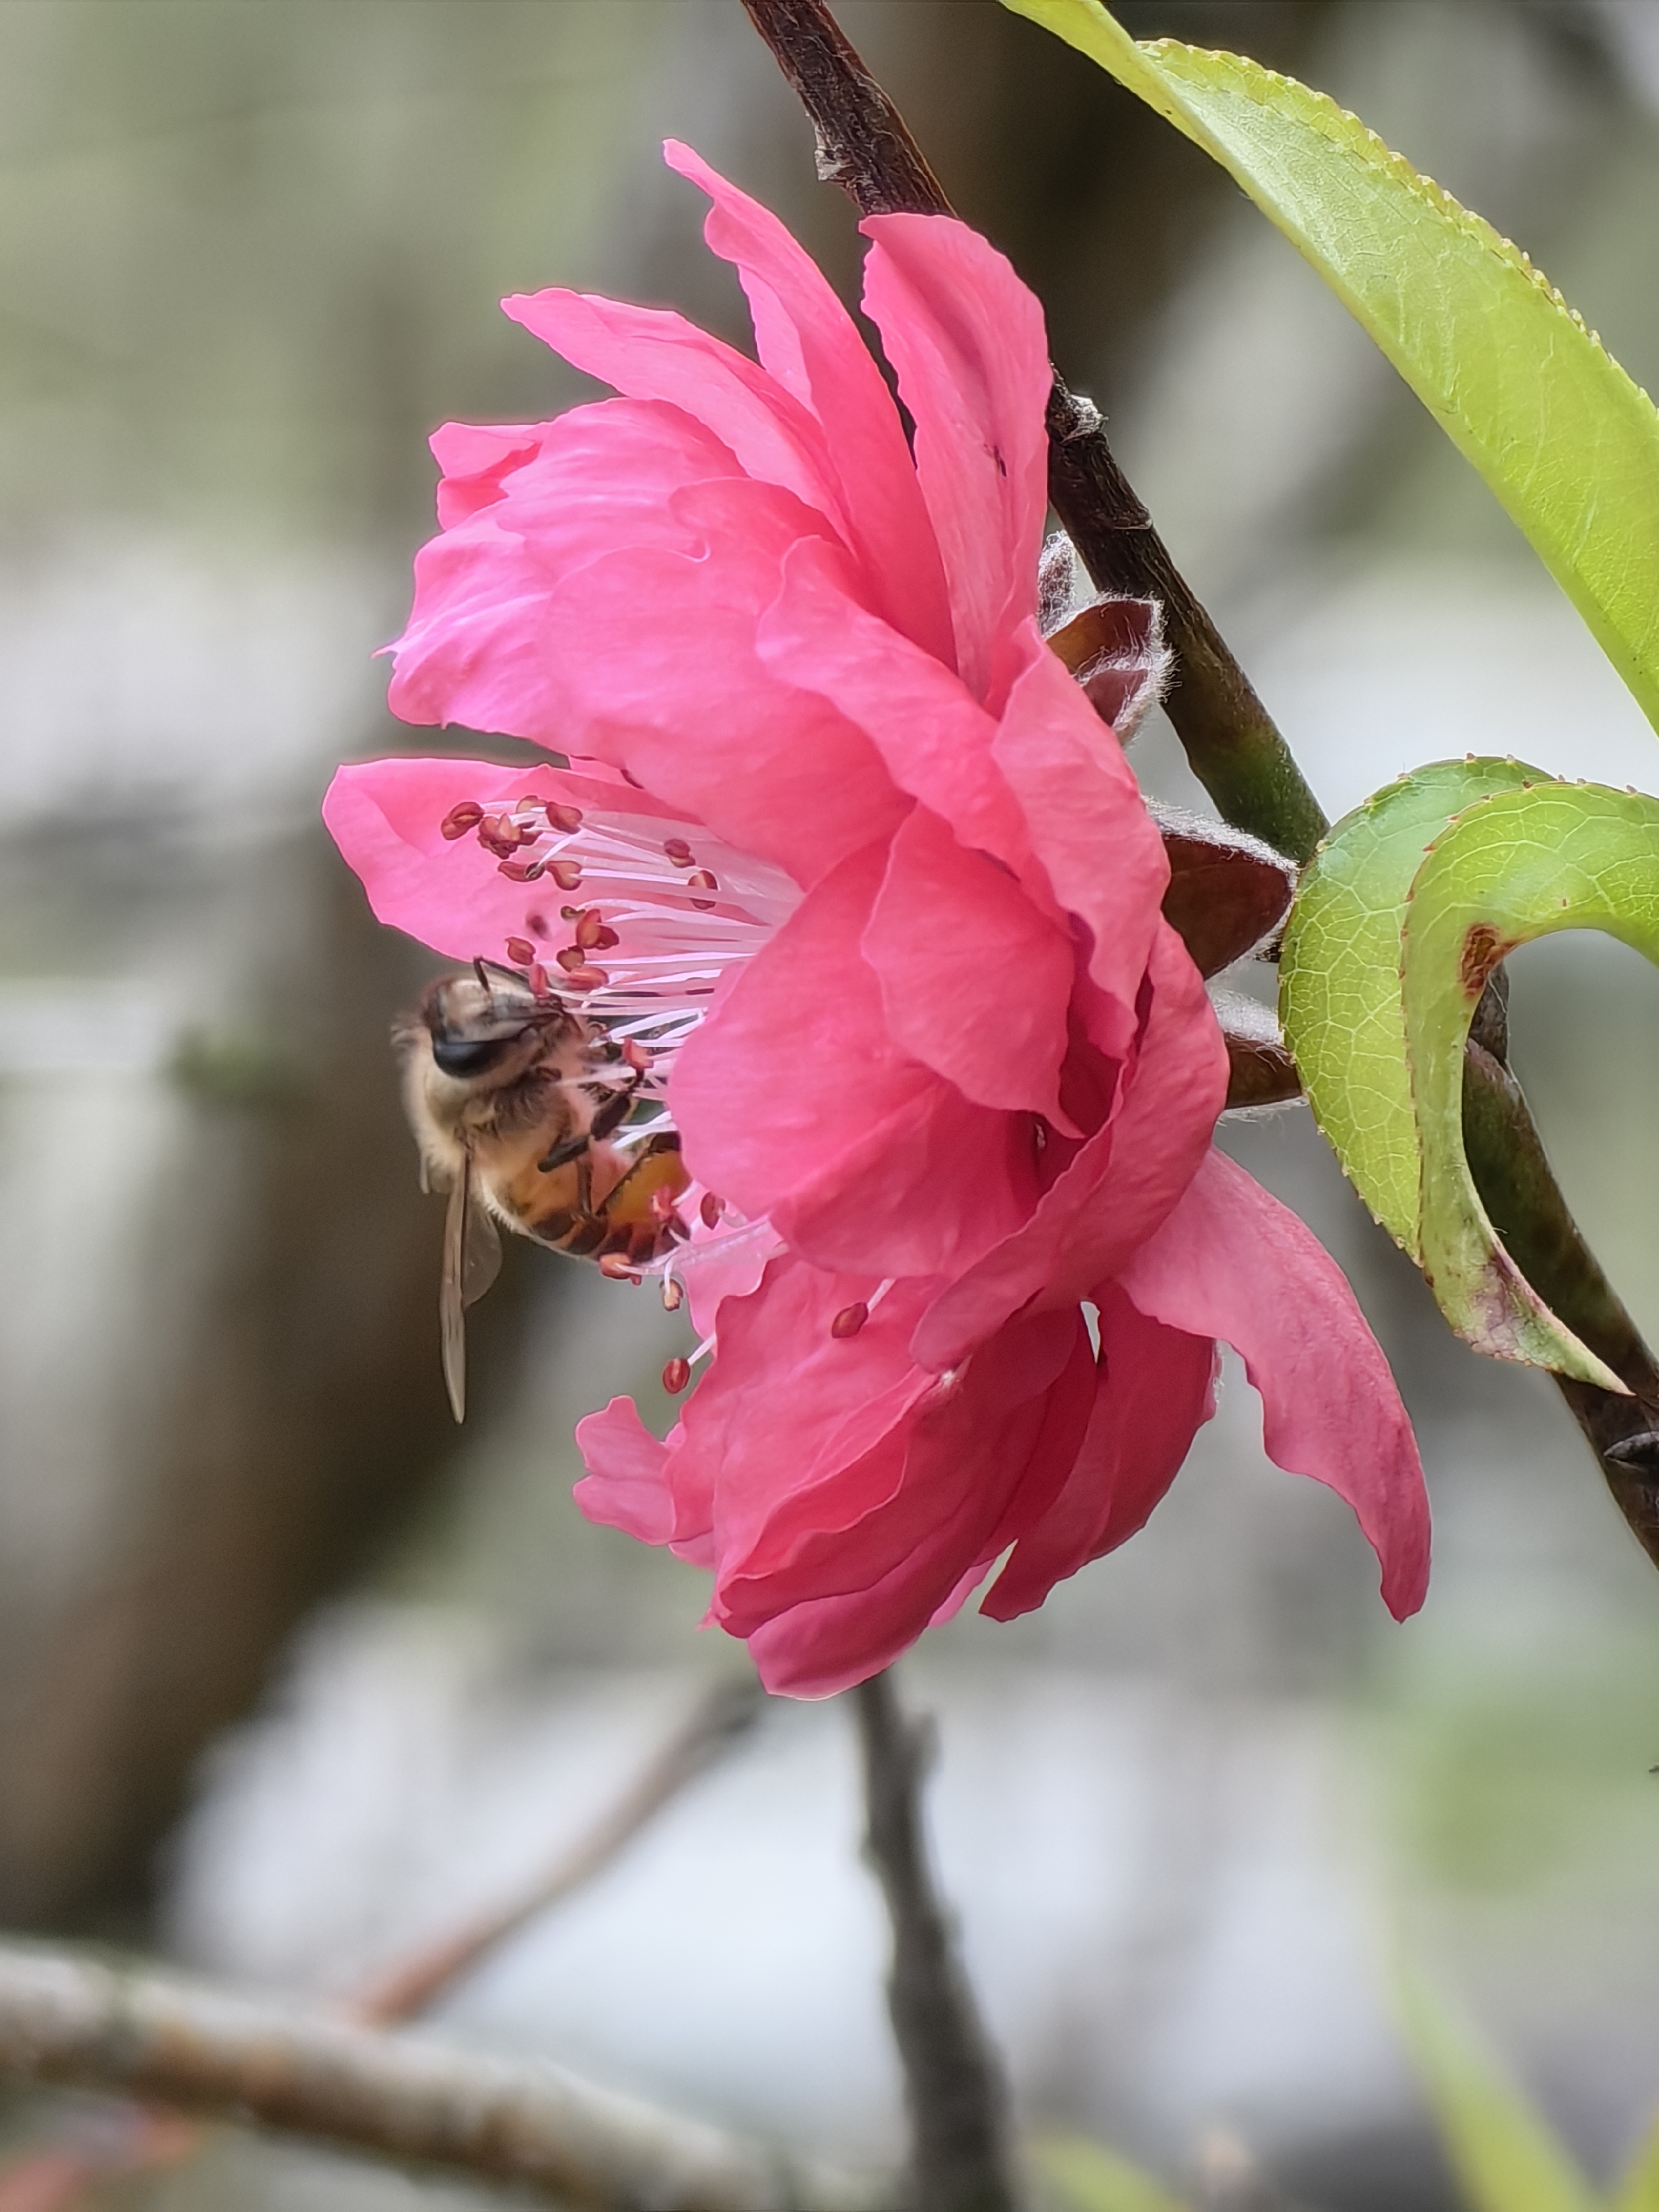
(469,1055)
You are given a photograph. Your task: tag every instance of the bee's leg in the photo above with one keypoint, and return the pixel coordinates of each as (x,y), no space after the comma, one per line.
(613,1112)
(585,1186)
(571,1148)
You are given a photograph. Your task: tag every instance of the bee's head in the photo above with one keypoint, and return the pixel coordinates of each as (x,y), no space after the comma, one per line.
(488,1025)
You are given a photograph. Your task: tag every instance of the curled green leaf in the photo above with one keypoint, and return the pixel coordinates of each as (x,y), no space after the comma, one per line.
(1519,865)
(1339,984)
(1565,439)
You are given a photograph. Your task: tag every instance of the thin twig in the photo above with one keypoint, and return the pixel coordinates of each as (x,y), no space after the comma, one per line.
(953,2086)
(1244,764)
(1236,752)
(717,1722)
(71,2020)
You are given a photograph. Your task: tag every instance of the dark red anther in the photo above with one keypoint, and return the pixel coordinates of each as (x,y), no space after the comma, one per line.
(676,1375)
(521,872)
(679,852)
(461,818)
(711,1209)
(850,1320)
(605,939)
(531,803)
(564,818)
(539,982)
(572,957)
(673,1294)
(586,978)
(589,926)
(617,1266)
(702,881)
(567,874)
(519,952)
(636,1056)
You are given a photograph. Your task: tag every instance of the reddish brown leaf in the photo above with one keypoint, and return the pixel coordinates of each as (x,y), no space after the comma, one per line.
(1115,649)
(1228,892)
(1261,1071)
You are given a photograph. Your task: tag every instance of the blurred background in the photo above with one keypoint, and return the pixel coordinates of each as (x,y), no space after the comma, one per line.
(293,1677)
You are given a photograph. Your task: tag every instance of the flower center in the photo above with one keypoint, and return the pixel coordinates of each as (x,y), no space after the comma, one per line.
(666,909)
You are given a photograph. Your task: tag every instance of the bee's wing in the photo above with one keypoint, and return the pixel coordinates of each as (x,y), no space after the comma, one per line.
(472,1259)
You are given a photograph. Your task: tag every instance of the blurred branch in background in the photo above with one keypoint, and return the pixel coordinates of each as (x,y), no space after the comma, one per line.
(141,2139)
(69,2020)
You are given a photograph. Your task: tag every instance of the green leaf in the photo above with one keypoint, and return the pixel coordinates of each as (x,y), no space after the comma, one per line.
(1639,2190)
(1568,442)
(1505,2155)
(1339,978)
(1519,865)
(1088,2176)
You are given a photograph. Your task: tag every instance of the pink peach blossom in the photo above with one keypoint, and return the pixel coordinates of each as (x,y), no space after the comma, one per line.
(878,887)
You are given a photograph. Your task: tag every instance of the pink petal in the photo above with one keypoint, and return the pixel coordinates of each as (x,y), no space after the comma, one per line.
(966,339)
(788,1409)
(1157,1389)
(980,1461)
(626,1486)
(807,340)
(975,982)
(862,1151)
(984,1453)
(661,673)
(385,817)
(1117,1189)
(651,353)
(926,1191)
(475,459)
(931,734)
(474,650)
(1231,1262)
(721,1264)
(1085,818)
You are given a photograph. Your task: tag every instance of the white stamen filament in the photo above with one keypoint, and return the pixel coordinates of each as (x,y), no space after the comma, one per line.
(678,938)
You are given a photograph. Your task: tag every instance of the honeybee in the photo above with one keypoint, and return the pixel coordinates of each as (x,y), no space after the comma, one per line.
(513,1098)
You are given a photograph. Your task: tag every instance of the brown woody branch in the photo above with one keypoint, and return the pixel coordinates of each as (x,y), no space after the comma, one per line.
(69,2020)
(1244,764)
(1236,752)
